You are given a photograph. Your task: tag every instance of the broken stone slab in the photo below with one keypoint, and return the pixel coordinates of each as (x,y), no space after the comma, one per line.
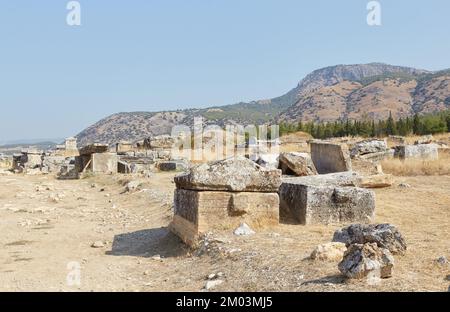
(376,181)
(366,260)
(333,251)
(325,199)
(330,157)
(420,151)
(376,157)
(198,212)
(268,161)
(299,164)
(368,147)
(384,235)
(366,167)
(93,148)
(237,174)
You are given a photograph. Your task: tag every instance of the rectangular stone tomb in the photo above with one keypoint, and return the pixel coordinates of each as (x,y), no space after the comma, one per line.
(420,151)
(197,212)
(325,200)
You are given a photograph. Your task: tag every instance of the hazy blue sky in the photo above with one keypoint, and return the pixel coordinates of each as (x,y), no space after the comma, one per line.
(151,55)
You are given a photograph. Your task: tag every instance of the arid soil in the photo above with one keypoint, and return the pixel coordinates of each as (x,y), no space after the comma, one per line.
(47,225)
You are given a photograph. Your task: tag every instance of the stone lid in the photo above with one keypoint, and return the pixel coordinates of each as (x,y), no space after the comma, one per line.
(237,174)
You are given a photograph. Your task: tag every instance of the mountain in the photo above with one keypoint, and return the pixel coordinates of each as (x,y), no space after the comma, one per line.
(337,92)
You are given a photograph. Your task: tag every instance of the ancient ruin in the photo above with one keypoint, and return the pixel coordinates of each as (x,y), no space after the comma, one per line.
(224,194)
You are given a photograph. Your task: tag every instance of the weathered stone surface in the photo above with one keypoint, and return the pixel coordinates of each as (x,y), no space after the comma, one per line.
(384,235)
(329,252)
(366,167)
(421,151)
(348,178)
(104,163)
(368,147)
(172,165)
(300,164)
(270,161)
(325,199)
(237,174)
(376,181)
(366,260)
(329,157)
(427,139)
(198,212)
(93,148)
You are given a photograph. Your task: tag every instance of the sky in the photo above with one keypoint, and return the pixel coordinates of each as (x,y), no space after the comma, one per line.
(150,55)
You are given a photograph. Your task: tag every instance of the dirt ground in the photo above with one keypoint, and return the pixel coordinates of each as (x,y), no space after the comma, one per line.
(48,227)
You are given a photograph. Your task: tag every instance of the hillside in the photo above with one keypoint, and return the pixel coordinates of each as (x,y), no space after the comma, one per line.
(336,92)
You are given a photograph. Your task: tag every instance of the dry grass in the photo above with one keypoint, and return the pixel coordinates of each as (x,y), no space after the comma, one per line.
(417,167)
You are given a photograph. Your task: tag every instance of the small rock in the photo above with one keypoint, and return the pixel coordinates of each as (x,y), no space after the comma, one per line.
(157,258)
(98,244)
(93,185)
(243,230)
(220,274)
(212,284)
(211,276)
(442,260)
(404,185)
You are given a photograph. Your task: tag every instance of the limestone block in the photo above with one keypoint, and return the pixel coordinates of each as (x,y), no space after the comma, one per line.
(330,157)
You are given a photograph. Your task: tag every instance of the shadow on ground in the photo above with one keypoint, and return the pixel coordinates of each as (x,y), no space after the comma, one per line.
(148,243)
(332,279)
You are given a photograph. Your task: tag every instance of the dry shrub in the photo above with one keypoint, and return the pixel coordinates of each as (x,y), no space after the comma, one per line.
(417,167)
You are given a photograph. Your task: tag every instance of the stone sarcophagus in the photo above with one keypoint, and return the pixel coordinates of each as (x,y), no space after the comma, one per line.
(327,199)
(223,194)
